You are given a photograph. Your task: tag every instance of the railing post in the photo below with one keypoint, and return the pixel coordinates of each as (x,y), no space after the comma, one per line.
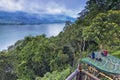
(75,73)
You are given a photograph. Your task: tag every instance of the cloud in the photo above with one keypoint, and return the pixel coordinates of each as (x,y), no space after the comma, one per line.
(10,5)
(38,6)
(20,5)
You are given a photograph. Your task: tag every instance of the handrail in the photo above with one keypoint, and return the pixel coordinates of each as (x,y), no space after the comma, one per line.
(70,77)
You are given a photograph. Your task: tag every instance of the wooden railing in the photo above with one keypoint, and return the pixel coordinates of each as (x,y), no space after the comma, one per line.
(81,71)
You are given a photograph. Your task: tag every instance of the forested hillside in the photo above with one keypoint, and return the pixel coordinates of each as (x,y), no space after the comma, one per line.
(42,58)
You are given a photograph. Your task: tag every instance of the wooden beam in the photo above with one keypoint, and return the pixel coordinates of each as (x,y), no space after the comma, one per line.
(83,71)
(90,75)
(72,75)
(101,73)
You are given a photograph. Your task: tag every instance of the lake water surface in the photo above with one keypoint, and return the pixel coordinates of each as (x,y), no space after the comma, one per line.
(9,34)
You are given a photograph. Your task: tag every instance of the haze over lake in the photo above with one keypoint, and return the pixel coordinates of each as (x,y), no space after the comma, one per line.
(9,34)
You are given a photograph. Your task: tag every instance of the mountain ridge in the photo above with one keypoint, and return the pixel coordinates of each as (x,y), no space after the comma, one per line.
(29,18)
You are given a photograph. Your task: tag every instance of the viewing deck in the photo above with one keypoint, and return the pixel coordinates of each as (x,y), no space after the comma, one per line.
(109,64)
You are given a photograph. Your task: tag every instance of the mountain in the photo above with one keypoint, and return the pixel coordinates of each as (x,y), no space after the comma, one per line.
(27,18)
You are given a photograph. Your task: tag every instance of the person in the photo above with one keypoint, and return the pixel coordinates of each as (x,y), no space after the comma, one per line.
(99,56)
(105,52)
(93,55)
(99,53)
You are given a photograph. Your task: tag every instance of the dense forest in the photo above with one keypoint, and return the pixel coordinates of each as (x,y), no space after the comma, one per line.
(54,58)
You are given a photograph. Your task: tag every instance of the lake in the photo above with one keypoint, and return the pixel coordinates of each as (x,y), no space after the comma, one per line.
(9,34)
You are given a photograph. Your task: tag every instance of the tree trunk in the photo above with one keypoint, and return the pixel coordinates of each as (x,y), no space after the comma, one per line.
(83,45)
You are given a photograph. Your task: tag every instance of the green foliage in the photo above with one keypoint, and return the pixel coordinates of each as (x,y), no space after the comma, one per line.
(35,56)
(6,72)
(55,75)
(104,29)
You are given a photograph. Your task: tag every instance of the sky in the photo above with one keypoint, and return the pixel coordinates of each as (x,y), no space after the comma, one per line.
(67,7)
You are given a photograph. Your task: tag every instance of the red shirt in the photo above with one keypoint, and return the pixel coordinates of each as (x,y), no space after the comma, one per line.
(105,52)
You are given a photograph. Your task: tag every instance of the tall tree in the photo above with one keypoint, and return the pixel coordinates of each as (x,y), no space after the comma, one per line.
(104,28)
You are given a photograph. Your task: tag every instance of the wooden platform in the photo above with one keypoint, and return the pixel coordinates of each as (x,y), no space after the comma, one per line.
(109,64)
